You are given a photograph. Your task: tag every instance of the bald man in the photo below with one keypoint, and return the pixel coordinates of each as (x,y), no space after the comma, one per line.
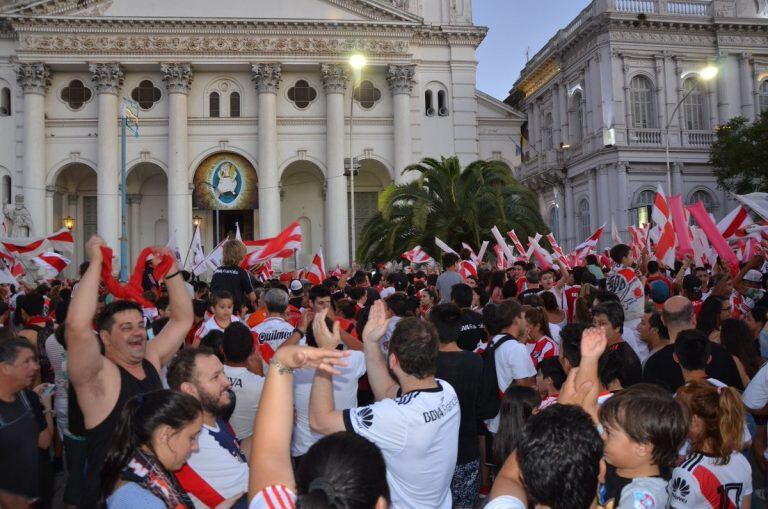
(661,368)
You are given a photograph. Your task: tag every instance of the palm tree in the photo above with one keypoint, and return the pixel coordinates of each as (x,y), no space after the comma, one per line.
(444,201)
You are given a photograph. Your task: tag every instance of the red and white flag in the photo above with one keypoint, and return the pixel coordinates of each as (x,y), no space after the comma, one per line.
(17,269)
(558,250)
(417,255)
(500,262)
(52,262)
(34,246)
(62,240)
(737,219)
(665,232)
(316,271)
(542,255)
(338,271)
(264,271)
(444,247)
(586,247)
(467,268)
(282,246)
(516,242)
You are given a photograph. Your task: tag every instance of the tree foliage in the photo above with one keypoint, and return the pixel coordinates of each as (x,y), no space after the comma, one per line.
(740,155)
(456,206)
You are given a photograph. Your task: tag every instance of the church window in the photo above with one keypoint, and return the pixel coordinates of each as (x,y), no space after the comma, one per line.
(234,104)
(642,101)
(302,94)
(548,140)
(429,109)
(6,189)
(584,228)
(577,119)
(214,105)
(442,104)
(146,94)
(764,95)
(5,102)
(694,107)
(76,94)
(366,94)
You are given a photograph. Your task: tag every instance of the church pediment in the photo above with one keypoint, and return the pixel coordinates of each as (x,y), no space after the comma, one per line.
(312,10)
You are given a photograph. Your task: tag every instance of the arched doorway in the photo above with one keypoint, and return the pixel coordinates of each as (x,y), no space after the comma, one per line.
(147,214)
(301,199)
(226,189)
(370,180)
(75,196)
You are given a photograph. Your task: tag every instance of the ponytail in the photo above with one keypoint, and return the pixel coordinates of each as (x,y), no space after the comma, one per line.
(730,421)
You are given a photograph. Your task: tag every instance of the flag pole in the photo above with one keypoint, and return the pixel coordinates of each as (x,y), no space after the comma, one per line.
(123,200)
(186,257)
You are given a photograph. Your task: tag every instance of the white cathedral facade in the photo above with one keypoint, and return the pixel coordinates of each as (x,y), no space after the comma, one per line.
(618,102)
(248,110)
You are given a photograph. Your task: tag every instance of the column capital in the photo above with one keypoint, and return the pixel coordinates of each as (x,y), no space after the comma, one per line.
(50,190)
(267,77)
(334,77)
(108,78)
(401,78)
(34,78)
(177,77)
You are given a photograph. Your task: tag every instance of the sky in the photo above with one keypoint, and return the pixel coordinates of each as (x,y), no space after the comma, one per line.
(514,26)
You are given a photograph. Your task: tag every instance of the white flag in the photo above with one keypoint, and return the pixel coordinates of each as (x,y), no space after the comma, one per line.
(198,256)
(173,245)
(504,247)
(237,232)
(756,201)
(445,247)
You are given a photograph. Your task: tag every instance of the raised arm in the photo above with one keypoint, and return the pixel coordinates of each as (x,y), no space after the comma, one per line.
(323,416)
(164,346)
(84,359)
(382,384)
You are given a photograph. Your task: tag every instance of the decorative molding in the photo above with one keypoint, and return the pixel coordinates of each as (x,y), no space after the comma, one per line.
(267,77)
(334,78)
(33,78)
(107,78)
(177,77)
(401,78)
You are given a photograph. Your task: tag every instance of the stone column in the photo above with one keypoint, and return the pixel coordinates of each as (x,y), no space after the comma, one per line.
(747,86)
(49,192)
(71,210)
(134,204)
(677,178)
(336,214)
(401,81)
(34,80)
(621,195)
(660,90)
(267,79)
(594,210)
(108,78)
(560,202)
(604,202)
(557,138)
(570,214)
(178,81)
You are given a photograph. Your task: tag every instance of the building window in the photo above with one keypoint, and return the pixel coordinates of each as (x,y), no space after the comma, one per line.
(214,105)
(429,110)
(584,228)
(146,94)
(6,190)
(302,94)
(367,95)
(644,207)
(5,102)
(763,95)
(547,132)
(554,223)
(442,104)
(90,211)
(76,94)
(642,99)
(234,104)
(577,120)
(694,107)
(703,197)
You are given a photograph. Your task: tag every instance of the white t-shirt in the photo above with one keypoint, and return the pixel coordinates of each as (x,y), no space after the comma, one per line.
(512,363)
(344,396)
(272,333)
(418,434)
(388,334)
(505,502)
(247,387)
(700,483)
(274,497)
(210,325)
(756,394)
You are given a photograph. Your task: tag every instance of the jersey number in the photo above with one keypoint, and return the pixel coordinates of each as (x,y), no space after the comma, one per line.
(725,492)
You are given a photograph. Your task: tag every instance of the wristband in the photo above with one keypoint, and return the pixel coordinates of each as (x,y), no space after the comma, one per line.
(172,275)
(301,332)
(281,368)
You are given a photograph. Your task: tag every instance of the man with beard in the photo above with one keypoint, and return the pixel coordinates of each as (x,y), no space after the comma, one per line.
(218,471)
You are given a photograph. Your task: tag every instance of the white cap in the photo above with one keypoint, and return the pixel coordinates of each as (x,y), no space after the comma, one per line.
(296,286)
(753,276)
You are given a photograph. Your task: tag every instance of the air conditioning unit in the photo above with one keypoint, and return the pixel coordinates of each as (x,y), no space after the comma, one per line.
(443,112)
(430,112)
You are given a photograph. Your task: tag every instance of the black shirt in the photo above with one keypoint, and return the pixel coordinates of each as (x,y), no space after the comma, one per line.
(632,370)
(20,426)
(464,371)
(661,368)
(233,279)
(472,330)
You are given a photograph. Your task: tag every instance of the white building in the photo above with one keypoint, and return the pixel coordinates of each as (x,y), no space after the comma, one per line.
(601,99)
(244,104)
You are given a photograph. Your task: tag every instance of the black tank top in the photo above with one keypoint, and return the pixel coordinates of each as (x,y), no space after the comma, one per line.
(98,439)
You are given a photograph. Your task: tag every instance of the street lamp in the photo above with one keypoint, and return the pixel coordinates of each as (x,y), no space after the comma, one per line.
(196,221)
(357,62)
(706,74)
(69,222)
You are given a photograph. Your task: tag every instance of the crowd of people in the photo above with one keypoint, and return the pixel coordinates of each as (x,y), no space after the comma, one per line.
(622,385)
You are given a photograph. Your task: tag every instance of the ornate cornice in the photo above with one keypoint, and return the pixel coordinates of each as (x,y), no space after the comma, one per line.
(267,77)
(401,78)
(107,78)
(177,77)
(34,78)
(334,78)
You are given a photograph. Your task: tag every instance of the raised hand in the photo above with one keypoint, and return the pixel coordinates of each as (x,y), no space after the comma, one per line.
(93,248)
(295,357)
(377,323)
(323,336)
(593,342)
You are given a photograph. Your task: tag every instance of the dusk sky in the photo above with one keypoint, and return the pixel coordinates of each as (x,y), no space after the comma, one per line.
(514,26)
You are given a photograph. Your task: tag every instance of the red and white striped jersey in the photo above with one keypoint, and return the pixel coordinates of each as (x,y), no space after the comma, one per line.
(210,325)
(542,349)
(700,483)
(274,497)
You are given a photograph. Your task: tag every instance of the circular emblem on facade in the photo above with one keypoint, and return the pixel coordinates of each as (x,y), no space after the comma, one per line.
(225,181)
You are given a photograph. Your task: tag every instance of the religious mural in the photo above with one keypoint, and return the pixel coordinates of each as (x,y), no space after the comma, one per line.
(225,181)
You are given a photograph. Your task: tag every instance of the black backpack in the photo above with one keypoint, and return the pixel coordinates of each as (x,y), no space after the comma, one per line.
(489,402)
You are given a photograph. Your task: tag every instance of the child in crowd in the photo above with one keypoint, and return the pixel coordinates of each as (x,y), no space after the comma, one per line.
(549,381)
(539,342)
(223,304)
(642,429)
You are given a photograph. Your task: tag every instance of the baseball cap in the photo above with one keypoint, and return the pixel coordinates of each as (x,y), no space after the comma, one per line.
(753,276)
(296,286)
(691,282)
(659,292)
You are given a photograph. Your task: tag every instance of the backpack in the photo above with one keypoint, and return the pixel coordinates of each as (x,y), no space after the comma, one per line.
(490,401)
(43,333)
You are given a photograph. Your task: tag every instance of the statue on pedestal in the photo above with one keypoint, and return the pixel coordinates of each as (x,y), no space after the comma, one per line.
(19,218)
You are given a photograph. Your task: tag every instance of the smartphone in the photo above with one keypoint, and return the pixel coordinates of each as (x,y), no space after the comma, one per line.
(49,389)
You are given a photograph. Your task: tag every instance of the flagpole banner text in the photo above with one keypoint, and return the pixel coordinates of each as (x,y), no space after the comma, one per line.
(225,181)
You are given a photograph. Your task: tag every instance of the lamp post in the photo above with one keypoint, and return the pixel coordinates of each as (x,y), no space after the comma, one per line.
(196,221)
(706,74)
(357,62)
(69,222)
(203,182)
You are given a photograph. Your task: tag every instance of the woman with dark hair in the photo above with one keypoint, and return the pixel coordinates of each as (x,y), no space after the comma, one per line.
(498,278)
(156,434)
(757,319)
(518,404)
(714,310)
(555,315)
(736,339)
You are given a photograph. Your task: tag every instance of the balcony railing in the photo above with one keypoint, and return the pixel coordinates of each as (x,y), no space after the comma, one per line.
(645,137)
(690,8)
(699,138)
(647,6)
(696,8)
